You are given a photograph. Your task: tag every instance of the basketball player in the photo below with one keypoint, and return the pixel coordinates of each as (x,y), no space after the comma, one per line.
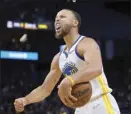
(79,61)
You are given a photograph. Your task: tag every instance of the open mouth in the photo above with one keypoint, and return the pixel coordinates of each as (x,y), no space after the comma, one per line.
(58,27)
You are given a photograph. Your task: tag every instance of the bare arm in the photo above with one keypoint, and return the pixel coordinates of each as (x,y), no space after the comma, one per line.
(92,68)
(48,85)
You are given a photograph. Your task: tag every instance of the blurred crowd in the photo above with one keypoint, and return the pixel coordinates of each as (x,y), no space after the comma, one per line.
(118,73)
(18,80)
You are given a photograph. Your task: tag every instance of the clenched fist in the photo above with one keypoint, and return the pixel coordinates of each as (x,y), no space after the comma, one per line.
(19,104)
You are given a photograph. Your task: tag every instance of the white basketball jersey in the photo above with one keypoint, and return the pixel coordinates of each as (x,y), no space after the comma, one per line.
(70,62)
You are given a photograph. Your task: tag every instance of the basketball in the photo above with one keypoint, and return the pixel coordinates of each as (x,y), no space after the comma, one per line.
(83,93)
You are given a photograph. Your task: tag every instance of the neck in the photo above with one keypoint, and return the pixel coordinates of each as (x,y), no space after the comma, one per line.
(70,39)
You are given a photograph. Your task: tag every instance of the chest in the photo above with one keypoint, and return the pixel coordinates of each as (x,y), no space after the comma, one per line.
(70,63)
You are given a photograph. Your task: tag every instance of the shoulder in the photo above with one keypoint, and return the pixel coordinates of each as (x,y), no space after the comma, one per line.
(87,41)
(55,61)
(56,57)
(87,44)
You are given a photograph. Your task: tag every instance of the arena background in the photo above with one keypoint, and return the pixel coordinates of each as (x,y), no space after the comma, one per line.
(27,26)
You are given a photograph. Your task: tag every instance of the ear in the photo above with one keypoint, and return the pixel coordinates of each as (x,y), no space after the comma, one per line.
(75,23)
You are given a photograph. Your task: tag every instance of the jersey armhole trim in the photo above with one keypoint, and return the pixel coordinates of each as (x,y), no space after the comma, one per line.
(78,55)
(81,57)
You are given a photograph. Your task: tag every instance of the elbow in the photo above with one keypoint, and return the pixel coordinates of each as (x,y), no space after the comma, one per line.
(98,71)
(46,89)
(95,72)
(47,92)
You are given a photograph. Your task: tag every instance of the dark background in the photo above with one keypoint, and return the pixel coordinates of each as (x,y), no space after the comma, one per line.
(107,21)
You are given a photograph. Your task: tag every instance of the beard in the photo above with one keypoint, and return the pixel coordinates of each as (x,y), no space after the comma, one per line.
(63,32)
(61,35)
(58,36)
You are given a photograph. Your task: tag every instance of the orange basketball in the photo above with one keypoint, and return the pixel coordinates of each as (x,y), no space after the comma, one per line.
(83,92)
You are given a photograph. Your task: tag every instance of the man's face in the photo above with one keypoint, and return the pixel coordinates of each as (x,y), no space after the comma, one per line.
(63,23)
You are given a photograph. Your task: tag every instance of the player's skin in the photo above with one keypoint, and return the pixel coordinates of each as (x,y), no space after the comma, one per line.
(66,27)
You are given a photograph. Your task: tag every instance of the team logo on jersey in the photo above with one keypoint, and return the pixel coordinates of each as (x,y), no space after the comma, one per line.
(69,69)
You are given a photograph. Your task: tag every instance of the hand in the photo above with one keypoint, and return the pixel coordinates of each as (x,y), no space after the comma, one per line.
(19,104)
(64,92)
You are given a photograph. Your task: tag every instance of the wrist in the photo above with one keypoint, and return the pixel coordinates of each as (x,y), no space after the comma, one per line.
(25,101)
(71,80)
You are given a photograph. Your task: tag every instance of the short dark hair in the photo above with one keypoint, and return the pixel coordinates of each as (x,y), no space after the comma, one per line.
(77,16)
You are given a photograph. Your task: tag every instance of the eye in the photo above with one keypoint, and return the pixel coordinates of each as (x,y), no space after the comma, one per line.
(62,16)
